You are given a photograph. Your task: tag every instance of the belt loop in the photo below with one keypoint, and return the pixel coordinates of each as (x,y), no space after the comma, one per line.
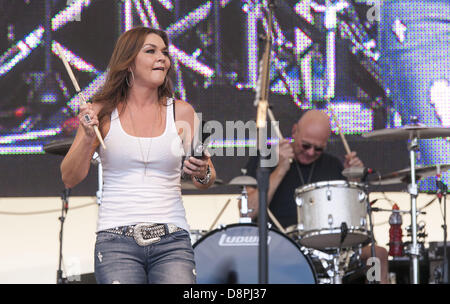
(166,228)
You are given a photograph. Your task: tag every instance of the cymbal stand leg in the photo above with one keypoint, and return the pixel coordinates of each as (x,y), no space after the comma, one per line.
(413,191)
(64,208)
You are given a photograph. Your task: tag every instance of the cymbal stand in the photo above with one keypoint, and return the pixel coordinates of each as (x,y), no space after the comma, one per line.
(414,249)
(65,207)
(442,193)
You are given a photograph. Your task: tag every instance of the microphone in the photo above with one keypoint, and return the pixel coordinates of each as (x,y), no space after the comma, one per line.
(357,172)
(199,148)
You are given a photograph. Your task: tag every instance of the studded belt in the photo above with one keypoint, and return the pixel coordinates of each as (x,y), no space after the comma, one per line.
(145,234)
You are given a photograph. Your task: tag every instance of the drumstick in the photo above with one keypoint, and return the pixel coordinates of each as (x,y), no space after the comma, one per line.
(77,88)
(275,221)
(344,141)
(277,129)
(219,215)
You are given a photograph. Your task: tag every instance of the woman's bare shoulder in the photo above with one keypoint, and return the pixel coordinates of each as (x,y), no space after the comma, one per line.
(183,109)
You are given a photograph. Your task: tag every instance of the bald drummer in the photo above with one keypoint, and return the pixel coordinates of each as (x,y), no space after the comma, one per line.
(310,164)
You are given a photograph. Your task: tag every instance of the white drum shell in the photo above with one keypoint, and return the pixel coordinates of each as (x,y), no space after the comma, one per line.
(323,207)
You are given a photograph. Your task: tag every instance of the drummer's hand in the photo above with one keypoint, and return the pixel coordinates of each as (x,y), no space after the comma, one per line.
(87,124)
(352,160)
(196,167)
(285,153)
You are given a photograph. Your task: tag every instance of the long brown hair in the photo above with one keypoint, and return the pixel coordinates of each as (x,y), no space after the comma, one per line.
(115,89)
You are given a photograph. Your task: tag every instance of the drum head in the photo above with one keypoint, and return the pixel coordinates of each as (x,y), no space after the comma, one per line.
(328,239)
(230,256)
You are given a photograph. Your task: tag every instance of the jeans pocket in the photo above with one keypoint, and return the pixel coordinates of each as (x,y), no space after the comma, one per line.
(103,237)
(180,235)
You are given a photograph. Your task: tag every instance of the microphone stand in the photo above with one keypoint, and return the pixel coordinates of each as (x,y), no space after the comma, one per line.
(263,171)
(442,192)
(65,207)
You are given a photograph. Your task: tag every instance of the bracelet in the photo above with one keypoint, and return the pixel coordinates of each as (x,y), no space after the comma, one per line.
(205,179)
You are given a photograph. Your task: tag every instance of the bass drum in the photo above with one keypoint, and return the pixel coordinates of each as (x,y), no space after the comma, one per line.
(229,255)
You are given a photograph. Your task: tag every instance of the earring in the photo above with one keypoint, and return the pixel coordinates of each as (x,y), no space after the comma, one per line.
(126,79)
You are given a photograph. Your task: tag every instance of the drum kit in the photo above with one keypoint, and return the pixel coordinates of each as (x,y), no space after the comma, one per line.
(333,225)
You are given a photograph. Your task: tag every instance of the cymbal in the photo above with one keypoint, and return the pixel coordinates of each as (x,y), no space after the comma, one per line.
(59,147)
(407,132)
(404,175)
(187,184)
(243,180)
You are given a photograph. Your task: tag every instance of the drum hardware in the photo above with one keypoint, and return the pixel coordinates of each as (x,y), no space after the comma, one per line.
(413,133)
(244,181)
(196,235)
(64,209)
(421,234)
(404,175)
(375,209)
(331,266)
(442,192)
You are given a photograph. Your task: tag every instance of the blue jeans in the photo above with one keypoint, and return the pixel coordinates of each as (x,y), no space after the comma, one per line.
(413,67)
(119,259)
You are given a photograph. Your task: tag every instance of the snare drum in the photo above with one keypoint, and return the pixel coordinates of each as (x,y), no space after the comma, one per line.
(229,255)
(331,214)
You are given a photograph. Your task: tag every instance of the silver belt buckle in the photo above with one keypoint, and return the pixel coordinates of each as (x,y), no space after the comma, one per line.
(139,237)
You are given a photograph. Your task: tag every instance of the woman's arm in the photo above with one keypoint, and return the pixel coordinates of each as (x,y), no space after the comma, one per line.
(75,165)
(188,124)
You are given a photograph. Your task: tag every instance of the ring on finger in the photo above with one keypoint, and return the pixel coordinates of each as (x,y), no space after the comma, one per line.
(87,118)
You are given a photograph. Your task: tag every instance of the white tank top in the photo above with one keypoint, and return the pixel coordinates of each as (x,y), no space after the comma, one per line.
(129,196)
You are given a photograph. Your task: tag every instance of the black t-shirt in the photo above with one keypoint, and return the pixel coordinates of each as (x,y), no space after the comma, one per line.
(283,206)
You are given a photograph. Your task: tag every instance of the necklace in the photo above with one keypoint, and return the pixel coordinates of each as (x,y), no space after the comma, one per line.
(301,174)
(146,159)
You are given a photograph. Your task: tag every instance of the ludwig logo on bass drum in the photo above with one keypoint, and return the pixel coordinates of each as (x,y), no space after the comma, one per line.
(240,240)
